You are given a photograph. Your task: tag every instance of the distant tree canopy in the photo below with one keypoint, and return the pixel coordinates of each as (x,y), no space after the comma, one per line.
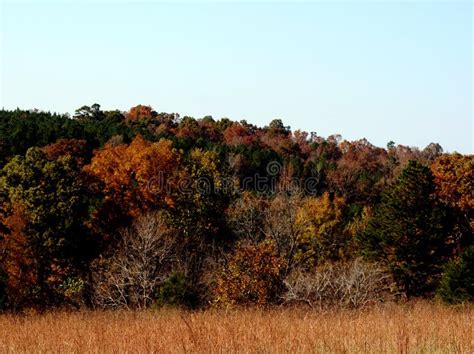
(229,212)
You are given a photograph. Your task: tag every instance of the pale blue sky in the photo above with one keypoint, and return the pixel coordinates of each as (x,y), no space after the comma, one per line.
(386,71)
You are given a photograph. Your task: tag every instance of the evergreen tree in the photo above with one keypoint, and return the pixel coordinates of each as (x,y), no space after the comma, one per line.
(457,284)
(409,231)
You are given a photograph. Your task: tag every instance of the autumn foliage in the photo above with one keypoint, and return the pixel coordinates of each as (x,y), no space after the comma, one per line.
(454,175)
(145,209)
(252,276)
(133,176)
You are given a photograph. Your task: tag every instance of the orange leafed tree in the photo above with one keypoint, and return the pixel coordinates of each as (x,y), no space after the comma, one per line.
(454,180)
(252,276)
(454,177)
(141,112)
(238,134)
(15,257)
(138,176)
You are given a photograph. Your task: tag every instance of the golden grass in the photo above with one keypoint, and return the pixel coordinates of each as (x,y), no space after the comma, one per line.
(410,328)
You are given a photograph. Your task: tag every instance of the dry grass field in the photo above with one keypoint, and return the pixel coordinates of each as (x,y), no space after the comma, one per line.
(410,328)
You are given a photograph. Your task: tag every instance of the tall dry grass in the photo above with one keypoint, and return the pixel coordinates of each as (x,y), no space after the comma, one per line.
(410,328)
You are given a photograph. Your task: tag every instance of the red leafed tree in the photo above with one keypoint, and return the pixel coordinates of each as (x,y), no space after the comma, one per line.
(277,137)
(360,172)
(75,148)
(238,134)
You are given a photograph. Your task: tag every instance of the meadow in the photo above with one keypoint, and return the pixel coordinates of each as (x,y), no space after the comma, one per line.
(421,327)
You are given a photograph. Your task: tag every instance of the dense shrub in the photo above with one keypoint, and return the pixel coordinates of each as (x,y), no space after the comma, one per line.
(457,284)
(252,276)
(176,291)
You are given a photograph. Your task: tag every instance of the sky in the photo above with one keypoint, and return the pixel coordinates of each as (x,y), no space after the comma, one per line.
(381,70)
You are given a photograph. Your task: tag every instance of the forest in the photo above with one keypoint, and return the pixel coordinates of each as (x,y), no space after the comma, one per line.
(140,209)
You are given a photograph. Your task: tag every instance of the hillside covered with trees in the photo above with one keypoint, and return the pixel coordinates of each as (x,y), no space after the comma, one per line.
(138,209)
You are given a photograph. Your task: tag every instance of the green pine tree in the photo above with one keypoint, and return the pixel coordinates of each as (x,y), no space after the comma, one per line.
(409,231)
(457,284)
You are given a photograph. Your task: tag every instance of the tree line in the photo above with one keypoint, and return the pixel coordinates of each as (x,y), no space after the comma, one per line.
(138,209)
